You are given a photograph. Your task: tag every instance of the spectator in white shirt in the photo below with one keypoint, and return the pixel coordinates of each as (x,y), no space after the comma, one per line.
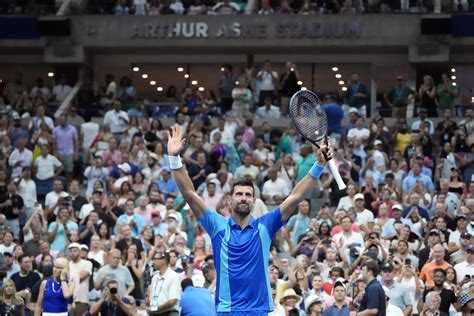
(27,190)
(364,216)
(359,131)
(274,189)
(210,196)
(117,120)
(61,90)
(177,7)
(225,8)
(46,167)
(352,242)
(227,134)
(40,90)
(55,199)
(40,117)
(20,158)
(268,110)
(268,80)
(110,94)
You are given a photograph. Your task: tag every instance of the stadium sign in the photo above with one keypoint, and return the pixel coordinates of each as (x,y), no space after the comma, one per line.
(239,30)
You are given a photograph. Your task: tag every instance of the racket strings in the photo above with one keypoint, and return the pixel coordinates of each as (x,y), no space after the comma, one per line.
(308,115)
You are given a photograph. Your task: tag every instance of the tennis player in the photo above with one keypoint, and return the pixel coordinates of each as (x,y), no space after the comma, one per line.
(241,243)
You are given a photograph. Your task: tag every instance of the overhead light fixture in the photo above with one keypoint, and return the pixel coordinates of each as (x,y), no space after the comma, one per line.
(454,84)
(144,76)
(335,69)
(237,82)
(303,89)
(453,69)
(222,69)
(344,88)
(201,89)
(194,82)
(180,69)
(472,99)
(136,69)
(338,76)
(299,82)
(50,74)
(453,77)
(159,89)
(341,82)
(153,82)
(186,76)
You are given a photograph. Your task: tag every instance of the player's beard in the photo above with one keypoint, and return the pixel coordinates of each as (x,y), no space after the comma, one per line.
(242,209)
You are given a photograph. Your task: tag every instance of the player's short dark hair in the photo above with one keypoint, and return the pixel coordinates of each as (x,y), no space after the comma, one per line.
(243,182)
(185,283)
(440,270)
(371,265)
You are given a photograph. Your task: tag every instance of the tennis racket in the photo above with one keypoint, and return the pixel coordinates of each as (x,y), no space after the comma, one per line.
(309,119)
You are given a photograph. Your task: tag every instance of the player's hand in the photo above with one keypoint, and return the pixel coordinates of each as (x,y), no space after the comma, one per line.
(176,140)
(324,152)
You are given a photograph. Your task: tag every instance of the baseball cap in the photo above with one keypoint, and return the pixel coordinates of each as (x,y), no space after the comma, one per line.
(461,216)
(399,77)
(125,167)
(165,169)
(84,247)
(340,282)
(387,267)
(359,196)
(420,110)
(434,232)
(7,254)
(353,110)
(163,255)
(205,267)
(155,213)
(470,248)
(466,236)
(465,298)
(397,207)
(74,245)
(377,142)
(198,280)
(173,215)
(154,156)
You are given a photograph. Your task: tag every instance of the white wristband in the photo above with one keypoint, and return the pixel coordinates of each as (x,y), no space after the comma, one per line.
(175,162)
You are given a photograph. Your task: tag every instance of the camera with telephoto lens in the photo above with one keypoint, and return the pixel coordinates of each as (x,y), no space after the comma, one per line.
(113,291)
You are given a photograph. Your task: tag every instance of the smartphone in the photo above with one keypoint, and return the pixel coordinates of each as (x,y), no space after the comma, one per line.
(326,242)
(408,262)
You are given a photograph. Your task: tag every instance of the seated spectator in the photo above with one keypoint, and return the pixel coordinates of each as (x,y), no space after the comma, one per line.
(226,7)
(177,7)
(268,110)
(121,8)
(266,8)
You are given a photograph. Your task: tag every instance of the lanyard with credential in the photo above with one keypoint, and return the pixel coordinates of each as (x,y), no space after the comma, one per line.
(156,296)
(398,93)
(355,88)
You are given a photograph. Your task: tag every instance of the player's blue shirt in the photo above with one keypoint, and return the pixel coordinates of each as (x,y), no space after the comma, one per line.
(241,261)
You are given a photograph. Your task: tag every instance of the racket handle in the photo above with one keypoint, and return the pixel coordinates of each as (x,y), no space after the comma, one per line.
(336,175)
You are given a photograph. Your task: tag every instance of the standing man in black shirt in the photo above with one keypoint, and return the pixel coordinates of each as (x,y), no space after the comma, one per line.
(448,297)
(288,85)
(25,279)
(12,206)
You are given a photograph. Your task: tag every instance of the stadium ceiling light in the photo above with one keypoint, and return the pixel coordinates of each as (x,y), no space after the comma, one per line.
(136,69)
(454,84)
(472,99)
(180,69)
(153,82)
(303,89)
(300,82)
(453,69)
(453,77)
(159,89)
(338,76)
(344,88)
(222,69)
(50,74)
(144,76)
(335,69)
(186,76)
(194,82)
(341,82)
(201,89)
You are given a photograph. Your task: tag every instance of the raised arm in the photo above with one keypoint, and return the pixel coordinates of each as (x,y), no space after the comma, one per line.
(176,143)
(301,190)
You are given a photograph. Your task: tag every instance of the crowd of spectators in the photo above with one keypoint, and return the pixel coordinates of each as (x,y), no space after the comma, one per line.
(227,7)
(90,207)
(269,7)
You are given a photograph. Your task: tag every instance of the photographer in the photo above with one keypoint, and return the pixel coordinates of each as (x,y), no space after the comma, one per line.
(110,303)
